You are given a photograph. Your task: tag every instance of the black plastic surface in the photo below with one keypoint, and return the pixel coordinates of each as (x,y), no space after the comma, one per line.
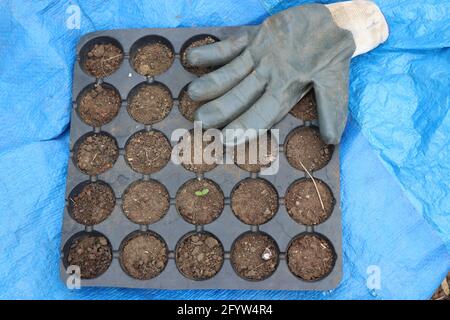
(173,227)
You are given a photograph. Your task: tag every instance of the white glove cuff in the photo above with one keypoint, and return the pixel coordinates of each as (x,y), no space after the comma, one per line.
(364,20)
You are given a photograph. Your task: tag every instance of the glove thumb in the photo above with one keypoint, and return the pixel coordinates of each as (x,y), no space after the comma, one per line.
(331,90)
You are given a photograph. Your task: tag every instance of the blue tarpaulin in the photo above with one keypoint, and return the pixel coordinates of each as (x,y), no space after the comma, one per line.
(395,171)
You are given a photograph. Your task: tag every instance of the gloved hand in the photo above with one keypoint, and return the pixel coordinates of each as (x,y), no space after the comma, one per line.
(268,69)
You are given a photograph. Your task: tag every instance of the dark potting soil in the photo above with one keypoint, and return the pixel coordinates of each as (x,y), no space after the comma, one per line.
(92,253)
(152,59)
(254,201)
(190,164)
(143,256)
(145,202)
(199,256)
(254,256)
(96,153)
(197,43)
(200,201)
(99,105)
(306,108)
(303,203)
(150,103)
(305,146)
(188,106)
(310,257)
(255,163)
(103,60)
(147,151)
(93,204)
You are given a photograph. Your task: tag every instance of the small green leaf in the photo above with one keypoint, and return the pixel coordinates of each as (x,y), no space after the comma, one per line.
(201,193)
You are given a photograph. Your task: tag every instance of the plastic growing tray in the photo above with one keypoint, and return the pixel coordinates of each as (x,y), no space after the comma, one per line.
(172,227)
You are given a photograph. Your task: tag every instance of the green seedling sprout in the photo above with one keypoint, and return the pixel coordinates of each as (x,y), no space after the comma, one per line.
(201,193)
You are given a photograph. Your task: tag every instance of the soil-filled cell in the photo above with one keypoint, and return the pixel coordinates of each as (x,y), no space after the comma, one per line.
(201,156)
(147,151)
(91,203)
(306,108)
(200,201)
(98,105)
(249,158)
(199,256)
(188,106)
(151,56)
(149,103)
(92,253)
(310,257)
(96,153)
(254,256)
(195,42)
(101,57)
(254,201)
(303,202)
(145,202)
(143,255)
(305,147)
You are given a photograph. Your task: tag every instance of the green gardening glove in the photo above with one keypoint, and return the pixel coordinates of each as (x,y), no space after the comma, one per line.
(269,68)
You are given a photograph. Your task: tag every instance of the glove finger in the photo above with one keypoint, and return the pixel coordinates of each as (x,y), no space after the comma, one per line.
(218,82)
(219,112)
(331,90)
(218,53)
(261,116)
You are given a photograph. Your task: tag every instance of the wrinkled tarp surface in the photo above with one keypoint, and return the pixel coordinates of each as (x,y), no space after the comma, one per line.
(395,152)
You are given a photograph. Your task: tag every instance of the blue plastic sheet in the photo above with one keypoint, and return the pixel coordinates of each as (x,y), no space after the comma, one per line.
(395,170)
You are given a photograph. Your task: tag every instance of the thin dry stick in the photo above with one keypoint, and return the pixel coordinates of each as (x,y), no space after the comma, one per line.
(315,185)
(110,58)
(258,266)
(93,159)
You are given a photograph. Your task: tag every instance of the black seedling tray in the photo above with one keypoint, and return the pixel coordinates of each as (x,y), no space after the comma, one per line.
(172,227)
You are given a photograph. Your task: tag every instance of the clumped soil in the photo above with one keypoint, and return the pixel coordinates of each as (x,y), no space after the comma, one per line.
(152,59)
(200,201)
(197,43)
(305,146)
(143,256)
(202,166)
(103,60)
(188,106)
(99,105)
(150,104)
(255,163)
(92,253)
(145,202)
(199,256)
(97,153)
(306,108)
(148,151)
(254,256)
(303,203)
(93,204)
(254,201)
(310,257)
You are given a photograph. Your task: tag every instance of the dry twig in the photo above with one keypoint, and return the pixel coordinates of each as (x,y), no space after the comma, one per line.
(315,185)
